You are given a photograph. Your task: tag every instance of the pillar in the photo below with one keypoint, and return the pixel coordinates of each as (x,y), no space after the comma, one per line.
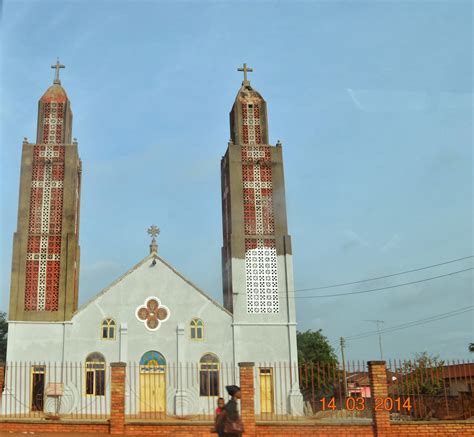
(379,390)
(117,401)
(183,406)
(247,403)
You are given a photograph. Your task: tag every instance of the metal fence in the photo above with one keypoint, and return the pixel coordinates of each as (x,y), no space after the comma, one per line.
(432,389)
(417,390)
(185,390)
(312,391)
(52,390)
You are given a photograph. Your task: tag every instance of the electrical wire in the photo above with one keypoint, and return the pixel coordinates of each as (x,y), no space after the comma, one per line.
(385,276)
(383,288)
(413,323)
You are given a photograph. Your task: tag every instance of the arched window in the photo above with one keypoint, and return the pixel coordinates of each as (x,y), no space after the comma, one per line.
(108,329)
(152,360)
(197,329)
(95,374)
(209,375)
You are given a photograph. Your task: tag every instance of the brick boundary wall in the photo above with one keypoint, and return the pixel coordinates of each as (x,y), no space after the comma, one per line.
(117,424)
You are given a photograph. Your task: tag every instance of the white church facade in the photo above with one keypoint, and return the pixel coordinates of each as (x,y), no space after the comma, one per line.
(152,317)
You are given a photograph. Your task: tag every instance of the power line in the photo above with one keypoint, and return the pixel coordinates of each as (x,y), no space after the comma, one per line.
(385,276)
(414,323)
(384,288)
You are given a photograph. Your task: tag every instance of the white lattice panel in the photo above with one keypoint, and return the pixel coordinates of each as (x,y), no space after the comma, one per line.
(261,277)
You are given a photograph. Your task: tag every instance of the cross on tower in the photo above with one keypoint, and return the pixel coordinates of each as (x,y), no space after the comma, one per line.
(153,231)
(57,66)
(245,69)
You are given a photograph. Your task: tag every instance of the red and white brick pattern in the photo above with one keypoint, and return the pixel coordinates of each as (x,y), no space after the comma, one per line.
(259,224)
(45,220)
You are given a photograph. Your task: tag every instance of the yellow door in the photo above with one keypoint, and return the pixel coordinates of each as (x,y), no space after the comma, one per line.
(266,390)
(153,392)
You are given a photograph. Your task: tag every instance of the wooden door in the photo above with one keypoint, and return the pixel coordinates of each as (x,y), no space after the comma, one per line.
(153,392)
(266,390)
(37,388)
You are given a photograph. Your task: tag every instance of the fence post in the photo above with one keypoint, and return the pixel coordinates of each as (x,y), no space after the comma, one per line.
(117,401)
(379,391)
(247,402)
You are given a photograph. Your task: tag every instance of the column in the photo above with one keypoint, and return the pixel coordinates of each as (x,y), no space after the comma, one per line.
(117,401)
(247,403)
(182,403)
(379,390)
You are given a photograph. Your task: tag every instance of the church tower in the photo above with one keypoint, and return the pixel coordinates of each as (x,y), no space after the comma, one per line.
(45,264)
(256,254)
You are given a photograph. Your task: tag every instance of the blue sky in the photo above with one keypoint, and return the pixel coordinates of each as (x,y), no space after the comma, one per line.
(371,100)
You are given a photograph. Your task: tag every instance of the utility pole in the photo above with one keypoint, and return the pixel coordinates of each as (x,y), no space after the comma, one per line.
(378,322)
(343,344)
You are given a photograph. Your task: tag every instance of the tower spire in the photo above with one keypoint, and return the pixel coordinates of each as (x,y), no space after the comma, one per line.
(46,252)
(57,66)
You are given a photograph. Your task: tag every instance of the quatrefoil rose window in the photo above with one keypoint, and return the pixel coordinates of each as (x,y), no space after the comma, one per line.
(152,314)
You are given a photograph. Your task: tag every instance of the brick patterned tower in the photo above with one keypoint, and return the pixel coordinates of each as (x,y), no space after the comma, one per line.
(256,254)
(45,264)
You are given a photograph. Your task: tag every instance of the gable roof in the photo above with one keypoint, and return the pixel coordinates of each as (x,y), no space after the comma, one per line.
(138,265)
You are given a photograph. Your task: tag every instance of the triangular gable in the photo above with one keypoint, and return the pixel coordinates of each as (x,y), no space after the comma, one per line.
(135,267)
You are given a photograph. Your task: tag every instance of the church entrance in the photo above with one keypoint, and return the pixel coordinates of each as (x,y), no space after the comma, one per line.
(37,387)
(266,390)
(152,383)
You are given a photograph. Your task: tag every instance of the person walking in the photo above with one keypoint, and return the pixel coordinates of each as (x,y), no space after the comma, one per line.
(229,421)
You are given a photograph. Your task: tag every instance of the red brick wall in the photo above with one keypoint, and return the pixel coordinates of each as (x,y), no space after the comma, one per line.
(288,429)
(247,403)
(179,430)
(117,399)
(451,429)
(293,429)
(379,389)
(59,427)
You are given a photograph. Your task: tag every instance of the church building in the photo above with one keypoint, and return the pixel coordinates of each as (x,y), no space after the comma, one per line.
(152,315)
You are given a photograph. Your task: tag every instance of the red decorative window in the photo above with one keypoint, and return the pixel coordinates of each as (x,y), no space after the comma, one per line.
(257,190)
(251,123)
(152,314)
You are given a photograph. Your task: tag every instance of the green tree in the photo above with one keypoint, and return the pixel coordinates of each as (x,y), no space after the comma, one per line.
(314,347)
(423,375)
(319,371)
(3,336)
(471,347)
